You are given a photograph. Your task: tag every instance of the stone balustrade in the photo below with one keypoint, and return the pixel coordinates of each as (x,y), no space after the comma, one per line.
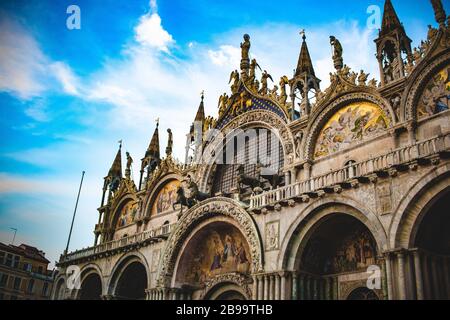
(334,180)
(138,238)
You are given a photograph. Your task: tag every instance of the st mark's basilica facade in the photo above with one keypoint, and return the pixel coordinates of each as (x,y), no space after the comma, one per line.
(344,195)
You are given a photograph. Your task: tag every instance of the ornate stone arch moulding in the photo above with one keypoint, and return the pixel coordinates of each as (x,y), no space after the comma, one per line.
(413,205)
(413,92)
(240,280)
(303,227)
(121,265)
(199,213)
(320,117)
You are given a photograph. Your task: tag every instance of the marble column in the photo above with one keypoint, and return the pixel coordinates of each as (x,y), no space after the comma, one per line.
(283,276)
(401,275)
(307,288)
(266,287)
(315,289)
(435,276)
(301,287)
(271,287)
(388,263)
(294,286)
(426,277)
(277,286)
(446,268)
(418,275)
(260,287)
(255,288)
(336,288)
(327,289)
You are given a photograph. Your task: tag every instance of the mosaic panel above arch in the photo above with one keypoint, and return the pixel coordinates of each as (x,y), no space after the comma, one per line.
(166,197)
(219,248)
(127,214)
(436,95)
(349,126)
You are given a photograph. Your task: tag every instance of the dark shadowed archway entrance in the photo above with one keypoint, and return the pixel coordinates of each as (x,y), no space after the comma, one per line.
(334,258)
(362,294)
(432,241)
(91,288)
(132,282)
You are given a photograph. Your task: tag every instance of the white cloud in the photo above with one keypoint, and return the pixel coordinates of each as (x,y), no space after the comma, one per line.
(66,77)
(227,55)
(25,70)
(21,62)
(149,32)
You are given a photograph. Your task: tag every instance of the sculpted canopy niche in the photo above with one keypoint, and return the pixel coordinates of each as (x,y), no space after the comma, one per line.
(349,126)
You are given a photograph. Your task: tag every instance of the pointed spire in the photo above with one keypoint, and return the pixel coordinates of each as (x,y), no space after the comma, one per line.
(390,19)
(200,116)
(304,64)
(153,148)
(116,168)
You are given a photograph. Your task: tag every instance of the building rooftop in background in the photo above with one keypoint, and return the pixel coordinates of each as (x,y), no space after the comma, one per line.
(24,273)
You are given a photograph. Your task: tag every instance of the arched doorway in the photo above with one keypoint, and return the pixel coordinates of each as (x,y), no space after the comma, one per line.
(334,258)
(91,287)
(132,282)
(431,237)
(227,291)
(59,293)
(362,294)
(231,295)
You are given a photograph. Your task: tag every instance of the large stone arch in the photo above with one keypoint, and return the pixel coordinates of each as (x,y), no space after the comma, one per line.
(59,287)
(255,118)
(210,208)
(88,271)
(412,206)
(121,265)
(297,235)
(319,118)
(419,79)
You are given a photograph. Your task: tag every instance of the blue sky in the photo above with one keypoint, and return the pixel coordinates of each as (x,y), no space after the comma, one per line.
(67,96)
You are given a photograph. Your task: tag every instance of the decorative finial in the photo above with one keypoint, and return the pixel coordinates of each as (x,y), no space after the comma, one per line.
(120,144)
(157,122)
(202,94)
(303,34)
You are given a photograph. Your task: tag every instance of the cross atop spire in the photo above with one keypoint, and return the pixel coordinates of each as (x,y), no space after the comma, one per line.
(200,116)
(304,64)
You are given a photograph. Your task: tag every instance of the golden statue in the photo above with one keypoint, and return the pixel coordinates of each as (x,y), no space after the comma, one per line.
(283,96)
(253,66)
(264,78)
(362,78)
(223,104)
(245,47)
(234,76)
